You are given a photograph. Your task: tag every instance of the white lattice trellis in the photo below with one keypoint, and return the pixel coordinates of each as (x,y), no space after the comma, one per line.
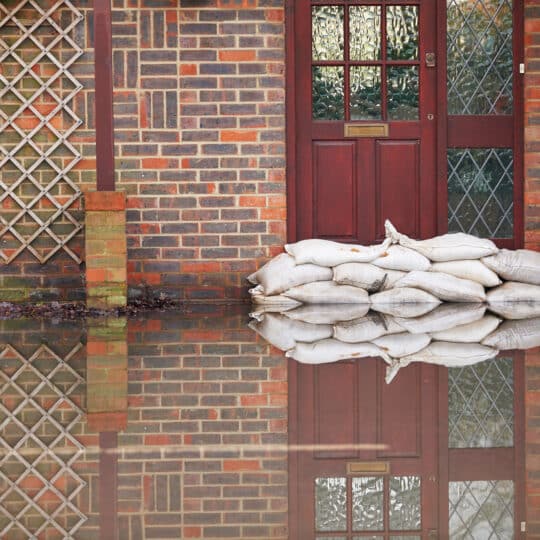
(36,72)
(37,448)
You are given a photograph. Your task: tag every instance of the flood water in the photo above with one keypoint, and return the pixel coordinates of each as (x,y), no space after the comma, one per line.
(178,426)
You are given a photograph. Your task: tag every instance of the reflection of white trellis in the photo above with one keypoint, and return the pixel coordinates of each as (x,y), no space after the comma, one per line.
(37,450)
(36,53)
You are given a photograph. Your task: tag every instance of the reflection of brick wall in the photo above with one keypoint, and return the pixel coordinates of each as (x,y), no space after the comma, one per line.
(207,403)
(532,441)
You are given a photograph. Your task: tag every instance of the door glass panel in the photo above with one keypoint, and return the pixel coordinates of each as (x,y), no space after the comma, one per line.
(481,405)
(403,93)
(481,509)
(367,503)
(331,504)
(327,32)
(328,103)
(402,32)
(481,191)
(405,510)
(479,57)
(365,84)
(365,33)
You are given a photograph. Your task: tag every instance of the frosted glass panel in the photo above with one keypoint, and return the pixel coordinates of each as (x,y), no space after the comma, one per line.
(331,504)
(405,510)
(403,93)
(481,405)
(327,32)
(365,84)
(402,32)
(367,503)
(481,509)
(327,91)
(365,33)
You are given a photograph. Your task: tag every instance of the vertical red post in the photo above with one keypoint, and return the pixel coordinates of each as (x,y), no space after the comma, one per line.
(103,95)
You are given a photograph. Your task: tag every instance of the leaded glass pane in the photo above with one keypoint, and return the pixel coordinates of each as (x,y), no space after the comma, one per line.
(367,503)
(481,191)
(405,509)
(365,84)
(479,56)
(402,32)
(327,91)
(481,405)
(365,33)
(403,93)
(327,32)
(481,509)
(331,504)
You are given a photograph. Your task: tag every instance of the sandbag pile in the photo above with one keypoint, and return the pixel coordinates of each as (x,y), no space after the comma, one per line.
(322,301)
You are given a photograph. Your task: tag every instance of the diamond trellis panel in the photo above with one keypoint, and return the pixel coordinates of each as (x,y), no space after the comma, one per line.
(37,197)
(479,57)
(481,509)
(481,191)
(481,405)
(38,483)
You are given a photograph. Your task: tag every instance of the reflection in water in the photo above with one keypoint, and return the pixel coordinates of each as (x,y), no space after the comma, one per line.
(175,426)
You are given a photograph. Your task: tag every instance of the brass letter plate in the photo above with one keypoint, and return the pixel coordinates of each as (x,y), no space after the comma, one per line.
(371,467)
(366,130)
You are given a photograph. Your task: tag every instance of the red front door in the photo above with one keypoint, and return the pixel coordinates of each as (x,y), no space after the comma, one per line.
(365,118)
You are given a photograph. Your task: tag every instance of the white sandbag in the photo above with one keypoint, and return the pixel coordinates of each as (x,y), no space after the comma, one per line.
(328,313)
(332,350)
(404,302)
(365,329)
(444,286)
(276,300)
(328,292)
(473,270)
(329,253)
(404,344)
(516,310)
(443,317)
(473,332)
(284,333)
(392,327)
(512,291)
(521,265)
(392,276)
(282,273)
(448,247)
(523,334)
(364,275)
(402,258)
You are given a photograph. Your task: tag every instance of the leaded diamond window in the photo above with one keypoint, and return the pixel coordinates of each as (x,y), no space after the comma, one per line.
(481,191)
(481,405)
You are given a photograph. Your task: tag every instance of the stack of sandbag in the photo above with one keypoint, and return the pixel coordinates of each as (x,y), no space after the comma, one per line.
(411,276)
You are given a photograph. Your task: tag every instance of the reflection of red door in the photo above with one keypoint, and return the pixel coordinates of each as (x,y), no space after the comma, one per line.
(365,83)
(362,440)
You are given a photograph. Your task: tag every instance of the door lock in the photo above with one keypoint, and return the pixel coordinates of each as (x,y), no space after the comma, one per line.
(430,60)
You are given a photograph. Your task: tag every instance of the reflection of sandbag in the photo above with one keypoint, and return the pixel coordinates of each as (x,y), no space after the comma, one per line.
(512,291)
(283,333)
(328,313)
(332,350)
(282,273)
(516,310)
(364,275)
(328,292)
(523,334)
(444,286)
(329,253)
(402,258)
(404,302)
(448,247)
(473,332)
(444,353)
(398,345)
(442,318)
(364,329)
(472,270)
(277,300)
(520,265)
(391,277)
